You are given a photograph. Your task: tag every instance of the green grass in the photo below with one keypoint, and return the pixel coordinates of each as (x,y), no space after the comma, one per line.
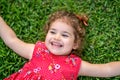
(27,18)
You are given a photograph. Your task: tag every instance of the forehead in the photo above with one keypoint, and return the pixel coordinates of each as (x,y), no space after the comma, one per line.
(61,26)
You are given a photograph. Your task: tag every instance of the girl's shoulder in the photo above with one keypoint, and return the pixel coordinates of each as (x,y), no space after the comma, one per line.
(39,48)
(39,45)
(72,55)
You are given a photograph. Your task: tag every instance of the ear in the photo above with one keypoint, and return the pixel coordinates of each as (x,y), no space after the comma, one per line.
(75,46)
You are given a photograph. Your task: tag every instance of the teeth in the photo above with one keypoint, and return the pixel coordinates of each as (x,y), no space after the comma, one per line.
(56,44)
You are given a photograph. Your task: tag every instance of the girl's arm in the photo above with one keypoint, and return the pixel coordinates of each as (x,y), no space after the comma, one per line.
(100,70)
(9,37)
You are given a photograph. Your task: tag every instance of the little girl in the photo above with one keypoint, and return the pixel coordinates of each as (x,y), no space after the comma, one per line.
(57,57)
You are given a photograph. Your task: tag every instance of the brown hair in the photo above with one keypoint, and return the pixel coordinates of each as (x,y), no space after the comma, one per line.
(76,21)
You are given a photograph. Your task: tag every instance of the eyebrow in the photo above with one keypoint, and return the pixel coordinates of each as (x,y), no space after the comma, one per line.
(52,29)
(63,31)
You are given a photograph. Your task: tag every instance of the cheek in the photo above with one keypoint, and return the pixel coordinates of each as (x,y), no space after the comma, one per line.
(46,38)
(69,42)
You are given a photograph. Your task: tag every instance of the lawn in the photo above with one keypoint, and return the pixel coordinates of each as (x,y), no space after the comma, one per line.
(27,18)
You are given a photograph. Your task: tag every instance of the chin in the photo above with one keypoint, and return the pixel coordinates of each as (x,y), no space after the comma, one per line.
(55,53)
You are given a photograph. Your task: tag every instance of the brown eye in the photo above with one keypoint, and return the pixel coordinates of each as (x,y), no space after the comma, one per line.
(52,32)
(65,35)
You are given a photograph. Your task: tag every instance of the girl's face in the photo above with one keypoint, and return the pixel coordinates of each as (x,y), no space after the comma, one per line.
(60,39)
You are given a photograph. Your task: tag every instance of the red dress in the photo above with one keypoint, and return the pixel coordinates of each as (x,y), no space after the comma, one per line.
(47,66)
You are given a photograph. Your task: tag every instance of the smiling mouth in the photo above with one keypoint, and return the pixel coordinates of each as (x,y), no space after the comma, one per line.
(56,44)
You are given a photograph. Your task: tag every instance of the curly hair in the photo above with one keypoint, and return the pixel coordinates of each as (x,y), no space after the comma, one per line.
(77,22)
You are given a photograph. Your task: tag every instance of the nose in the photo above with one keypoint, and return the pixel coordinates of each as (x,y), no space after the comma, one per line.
(57,37)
